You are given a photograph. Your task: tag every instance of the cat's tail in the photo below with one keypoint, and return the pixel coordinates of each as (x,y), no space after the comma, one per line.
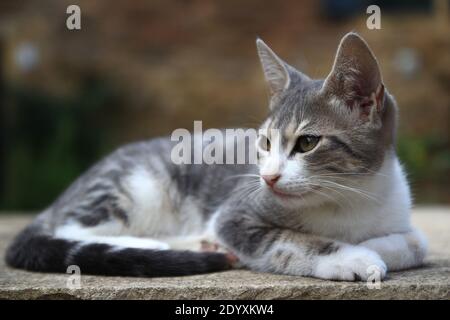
(35,250)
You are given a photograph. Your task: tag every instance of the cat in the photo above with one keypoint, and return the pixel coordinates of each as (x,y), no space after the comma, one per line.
(327,199)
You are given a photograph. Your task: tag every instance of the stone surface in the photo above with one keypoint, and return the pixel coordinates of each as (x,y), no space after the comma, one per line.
(430,282)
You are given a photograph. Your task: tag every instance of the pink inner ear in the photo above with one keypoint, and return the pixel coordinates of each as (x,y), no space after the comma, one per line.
(379,97)
(365,105)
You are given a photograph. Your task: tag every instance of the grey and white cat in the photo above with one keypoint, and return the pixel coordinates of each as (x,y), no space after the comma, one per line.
(336,204)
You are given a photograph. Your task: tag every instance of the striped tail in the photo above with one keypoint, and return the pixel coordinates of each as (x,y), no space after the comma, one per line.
(36,251)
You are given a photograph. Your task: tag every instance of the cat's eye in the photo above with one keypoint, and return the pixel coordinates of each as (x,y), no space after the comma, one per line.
(264,143)
(305,143)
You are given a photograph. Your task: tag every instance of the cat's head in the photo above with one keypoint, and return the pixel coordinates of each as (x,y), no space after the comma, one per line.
(322,136)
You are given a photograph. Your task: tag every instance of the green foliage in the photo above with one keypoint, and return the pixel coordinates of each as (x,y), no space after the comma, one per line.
(48,141)
(427,162)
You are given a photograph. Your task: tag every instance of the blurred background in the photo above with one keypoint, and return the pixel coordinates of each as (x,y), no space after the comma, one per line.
(139,69)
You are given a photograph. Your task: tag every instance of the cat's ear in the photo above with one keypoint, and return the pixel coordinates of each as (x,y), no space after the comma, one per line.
(275,70)
(356,79)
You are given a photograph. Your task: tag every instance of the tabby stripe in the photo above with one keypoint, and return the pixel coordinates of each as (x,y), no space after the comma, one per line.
(336,141)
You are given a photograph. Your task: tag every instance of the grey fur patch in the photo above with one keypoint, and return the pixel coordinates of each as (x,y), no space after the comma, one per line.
(327,248)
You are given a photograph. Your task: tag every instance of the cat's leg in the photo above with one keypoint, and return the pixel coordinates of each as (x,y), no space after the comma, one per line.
(203,242)
(264,247)
(400,250)
(89,235)
(192,242)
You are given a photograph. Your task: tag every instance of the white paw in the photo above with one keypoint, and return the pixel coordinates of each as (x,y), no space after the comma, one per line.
(350,263)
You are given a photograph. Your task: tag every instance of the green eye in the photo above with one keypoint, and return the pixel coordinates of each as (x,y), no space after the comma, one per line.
(305,144)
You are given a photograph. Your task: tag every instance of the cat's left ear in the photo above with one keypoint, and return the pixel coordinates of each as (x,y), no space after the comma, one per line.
(355,79)
(279,75)
(275,70)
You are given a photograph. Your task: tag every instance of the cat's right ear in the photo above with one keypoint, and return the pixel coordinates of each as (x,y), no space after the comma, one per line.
(355,78)
(275,70)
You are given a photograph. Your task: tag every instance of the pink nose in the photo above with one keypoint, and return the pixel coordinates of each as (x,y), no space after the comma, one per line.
(271,179)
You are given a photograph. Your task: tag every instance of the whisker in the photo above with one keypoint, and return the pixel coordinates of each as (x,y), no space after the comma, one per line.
(339,194)
(246,190)
(248,175)
(333,199)
(361,192)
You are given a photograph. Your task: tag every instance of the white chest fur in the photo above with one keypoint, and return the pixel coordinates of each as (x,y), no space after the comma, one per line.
(360,217)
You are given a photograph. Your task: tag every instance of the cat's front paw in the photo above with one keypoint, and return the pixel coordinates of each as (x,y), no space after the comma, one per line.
(350,263)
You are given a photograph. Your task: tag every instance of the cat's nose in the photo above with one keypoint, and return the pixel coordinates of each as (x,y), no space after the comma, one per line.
(271,179)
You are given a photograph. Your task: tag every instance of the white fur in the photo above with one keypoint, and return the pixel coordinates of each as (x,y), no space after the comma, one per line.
(381,224)
(360,218)
(154,214)
(151,214)
(194,242)
(347,262)
(399,251)
(91,235)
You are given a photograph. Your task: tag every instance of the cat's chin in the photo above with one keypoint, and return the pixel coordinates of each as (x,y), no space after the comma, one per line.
(289,199)
(293,200)
(288,195)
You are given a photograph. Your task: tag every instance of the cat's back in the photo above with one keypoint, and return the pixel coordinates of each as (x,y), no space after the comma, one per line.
(144,174)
